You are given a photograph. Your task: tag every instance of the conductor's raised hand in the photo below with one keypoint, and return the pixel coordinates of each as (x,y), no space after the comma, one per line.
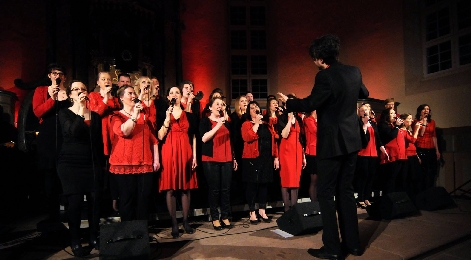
(282,97)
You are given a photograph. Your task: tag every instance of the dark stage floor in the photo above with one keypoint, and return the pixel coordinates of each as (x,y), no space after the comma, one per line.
(441,234)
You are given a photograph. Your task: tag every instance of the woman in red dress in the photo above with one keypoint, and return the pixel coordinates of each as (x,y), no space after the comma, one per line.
(134,156)
(144,89)
(292,158)
(178,158)
(310,130)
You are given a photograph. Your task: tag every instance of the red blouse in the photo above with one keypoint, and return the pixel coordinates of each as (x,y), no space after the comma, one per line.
(426,141)
(42,103)
(410,140)
(132,154)
(221,145)
(104,110)
(310,129)
(370,149)
(396,149)
(251,141)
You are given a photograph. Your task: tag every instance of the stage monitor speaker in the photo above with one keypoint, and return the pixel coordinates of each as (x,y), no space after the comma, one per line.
(125,240)
(391,206)
(300,219)
(434,198)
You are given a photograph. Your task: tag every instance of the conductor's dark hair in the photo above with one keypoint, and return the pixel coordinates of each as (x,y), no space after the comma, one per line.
(326,48)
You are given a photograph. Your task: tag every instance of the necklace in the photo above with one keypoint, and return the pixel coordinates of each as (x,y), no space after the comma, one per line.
(129,114)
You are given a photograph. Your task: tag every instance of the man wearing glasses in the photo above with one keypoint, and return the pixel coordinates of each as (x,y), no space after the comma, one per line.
(47,101)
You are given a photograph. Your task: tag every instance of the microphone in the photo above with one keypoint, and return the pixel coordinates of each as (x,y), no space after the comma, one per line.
(86,98)
(199,95)
(173,101)
(257,112)
(136,100)
(221,113)
(314,213)
(148,87)
(58,81)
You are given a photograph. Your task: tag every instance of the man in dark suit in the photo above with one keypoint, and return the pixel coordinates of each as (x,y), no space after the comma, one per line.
(334,96)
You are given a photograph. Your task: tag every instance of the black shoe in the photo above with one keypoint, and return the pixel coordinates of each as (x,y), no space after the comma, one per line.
(254,222)
(228,226)
(175,232)
(95,243)
(78,250)
(188,229)
(218,228)
(266,220)
(354,251)
(320,253)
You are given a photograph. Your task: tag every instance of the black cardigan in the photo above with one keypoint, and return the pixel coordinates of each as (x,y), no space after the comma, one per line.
(206,126)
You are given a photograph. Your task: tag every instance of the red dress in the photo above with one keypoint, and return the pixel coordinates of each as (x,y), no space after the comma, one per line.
(177,157)
(291,158)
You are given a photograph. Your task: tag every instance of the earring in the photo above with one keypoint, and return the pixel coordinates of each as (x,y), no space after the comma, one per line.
(71,100)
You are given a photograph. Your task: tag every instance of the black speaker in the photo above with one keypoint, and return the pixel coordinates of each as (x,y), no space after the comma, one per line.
(434,198)
(391,206)
(302,218)
(125,240)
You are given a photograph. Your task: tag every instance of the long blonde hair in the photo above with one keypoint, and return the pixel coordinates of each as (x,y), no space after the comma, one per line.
(236,105)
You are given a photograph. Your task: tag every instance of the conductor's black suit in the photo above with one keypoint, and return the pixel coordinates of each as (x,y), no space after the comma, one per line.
(334,95)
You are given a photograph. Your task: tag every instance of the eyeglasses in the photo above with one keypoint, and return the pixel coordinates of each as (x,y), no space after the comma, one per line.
(82,89)
(55,73)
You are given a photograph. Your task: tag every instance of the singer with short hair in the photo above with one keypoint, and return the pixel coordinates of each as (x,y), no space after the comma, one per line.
(47,101)
(79,164)
(134,156)
(218,162)
(334,96)
(259,158)
(178,158)
(367,160)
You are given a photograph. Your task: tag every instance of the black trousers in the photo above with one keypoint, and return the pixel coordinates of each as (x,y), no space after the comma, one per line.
(74,212)
(134,193)
(256,192)
(218,177)
(395,173)
(429,167)
(364,174)
(335,177)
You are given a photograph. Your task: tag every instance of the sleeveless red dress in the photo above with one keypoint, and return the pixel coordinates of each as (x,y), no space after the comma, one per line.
(177,157)
(291,158)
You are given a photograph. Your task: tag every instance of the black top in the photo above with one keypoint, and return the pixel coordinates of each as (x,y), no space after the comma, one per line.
(80,156)
(46,139)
